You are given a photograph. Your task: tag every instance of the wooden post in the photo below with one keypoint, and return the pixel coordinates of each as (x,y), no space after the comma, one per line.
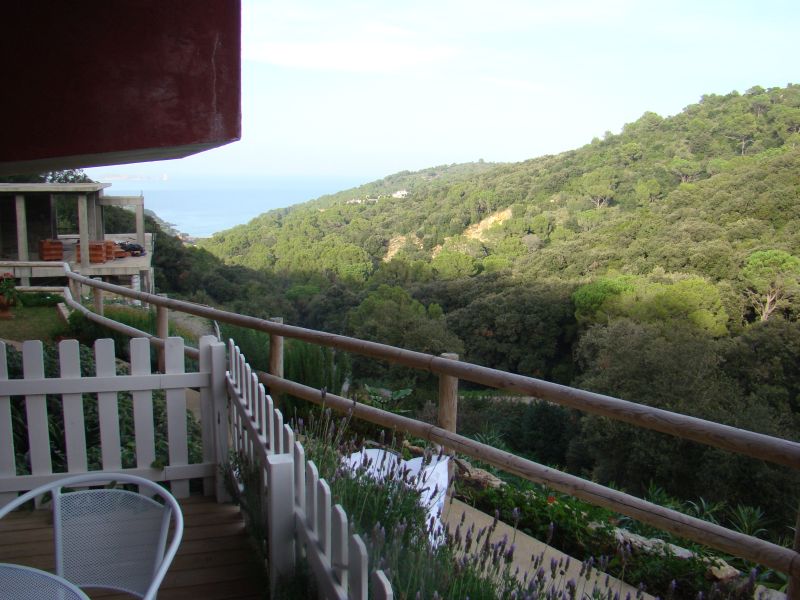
(448,398)
(75,290)
(280,483)
(448,409)
(22,234)
(97,296)
(162,331)
(276,351)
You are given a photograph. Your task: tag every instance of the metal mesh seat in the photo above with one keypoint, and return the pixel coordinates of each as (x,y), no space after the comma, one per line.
(112,538)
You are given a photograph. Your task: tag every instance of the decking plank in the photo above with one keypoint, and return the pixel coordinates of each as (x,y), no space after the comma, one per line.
(214,561)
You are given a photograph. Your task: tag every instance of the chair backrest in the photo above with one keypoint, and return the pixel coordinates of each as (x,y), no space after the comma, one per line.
(112,538)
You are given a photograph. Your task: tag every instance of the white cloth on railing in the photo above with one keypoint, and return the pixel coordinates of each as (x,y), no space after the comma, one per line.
(427,475)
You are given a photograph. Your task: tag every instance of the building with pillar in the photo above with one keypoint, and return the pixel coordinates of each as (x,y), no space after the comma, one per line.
(29,232)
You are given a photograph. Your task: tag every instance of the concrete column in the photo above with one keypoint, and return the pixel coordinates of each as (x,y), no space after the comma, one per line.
(99,229)
(144,282)
(92,214)
(22,234)
(140,225)
(83,229)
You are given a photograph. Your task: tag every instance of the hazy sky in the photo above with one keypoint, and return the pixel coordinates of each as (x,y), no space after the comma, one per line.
(365,89)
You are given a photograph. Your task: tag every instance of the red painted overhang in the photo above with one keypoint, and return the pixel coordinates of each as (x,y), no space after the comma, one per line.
(101,82)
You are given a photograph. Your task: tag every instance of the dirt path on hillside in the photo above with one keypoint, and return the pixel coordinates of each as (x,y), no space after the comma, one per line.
(197,326)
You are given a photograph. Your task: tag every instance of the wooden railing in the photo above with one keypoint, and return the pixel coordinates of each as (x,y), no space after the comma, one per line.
(776,450)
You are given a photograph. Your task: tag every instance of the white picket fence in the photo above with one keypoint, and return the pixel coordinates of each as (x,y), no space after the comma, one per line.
(302,520)
(106,384)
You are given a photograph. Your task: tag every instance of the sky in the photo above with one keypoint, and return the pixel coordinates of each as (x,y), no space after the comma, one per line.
(359,90)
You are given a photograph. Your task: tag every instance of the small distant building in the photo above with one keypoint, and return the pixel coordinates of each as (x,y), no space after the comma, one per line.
(400,194)
(29,232)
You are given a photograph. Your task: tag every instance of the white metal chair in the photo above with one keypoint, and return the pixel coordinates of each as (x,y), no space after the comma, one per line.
(111,538)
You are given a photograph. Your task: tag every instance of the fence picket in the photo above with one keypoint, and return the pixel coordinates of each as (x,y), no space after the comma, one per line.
(207,411)
(299,476)
(312,476)
(108,406)
(232,360)
(143,405)
(270,423)
(74,425)
(381,588)
(8,465)
(36,411)
(247,388)
(357,566)
(323,527)
(177,435)
(339,530)
(263,415)
(288,439)
(218,418)
(252,393)
(277,446)
(280,475)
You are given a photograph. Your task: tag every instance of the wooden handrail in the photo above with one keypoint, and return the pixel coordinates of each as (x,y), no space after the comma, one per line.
(741,441)
(744,442)
(733,542)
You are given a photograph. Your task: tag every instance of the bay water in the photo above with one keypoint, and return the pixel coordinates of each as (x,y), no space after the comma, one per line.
(201,207)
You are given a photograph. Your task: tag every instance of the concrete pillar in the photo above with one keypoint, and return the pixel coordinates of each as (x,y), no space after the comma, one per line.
(83,229)
(99,229)
(22,234)
(140,225)
(92,214)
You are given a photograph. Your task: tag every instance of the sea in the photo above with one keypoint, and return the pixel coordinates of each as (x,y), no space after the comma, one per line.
(201,207)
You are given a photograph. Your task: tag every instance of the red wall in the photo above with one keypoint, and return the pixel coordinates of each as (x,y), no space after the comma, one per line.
(98,82)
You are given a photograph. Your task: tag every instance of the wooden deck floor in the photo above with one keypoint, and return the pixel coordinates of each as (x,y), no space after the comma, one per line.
(214,561)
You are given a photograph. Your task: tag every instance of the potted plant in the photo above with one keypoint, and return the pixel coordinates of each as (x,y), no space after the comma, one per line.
(8,295)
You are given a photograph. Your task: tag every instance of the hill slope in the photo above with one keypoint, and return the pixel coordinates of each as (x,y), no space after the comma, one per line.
(695,192)
(660,265)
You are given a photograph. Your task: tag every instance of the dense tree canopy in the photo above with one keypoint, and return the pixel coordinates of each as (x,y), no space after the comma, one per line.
(660,264)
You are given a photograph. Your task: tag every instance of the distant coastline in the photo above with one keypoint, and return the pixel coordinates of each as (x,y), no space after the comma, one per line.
(202,207)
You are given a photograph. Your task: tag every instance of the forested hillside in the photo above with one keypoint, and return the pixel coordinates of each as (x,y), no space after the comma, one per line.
(660,264)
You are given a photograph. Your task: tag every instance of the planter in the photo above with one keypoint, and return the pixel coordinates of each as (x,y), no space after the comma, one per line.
(51,250)
(97,252)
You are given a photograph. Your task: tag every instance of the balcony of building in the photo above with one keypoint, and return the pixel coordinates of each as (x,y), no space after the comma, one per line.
(29,231)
